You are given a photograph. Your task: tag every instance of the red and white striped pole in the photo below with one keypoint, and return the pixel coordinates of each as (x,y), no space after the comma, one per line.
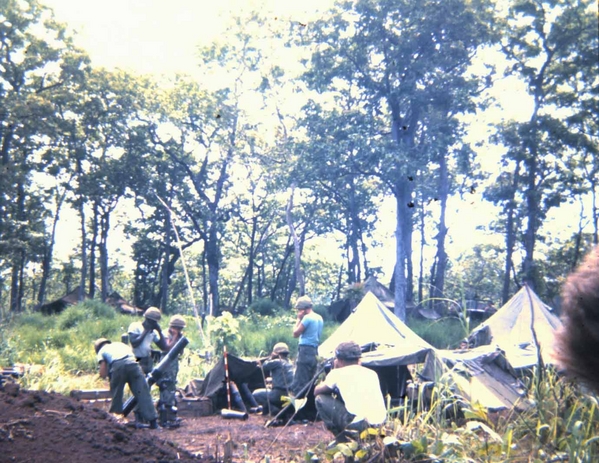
(227,381)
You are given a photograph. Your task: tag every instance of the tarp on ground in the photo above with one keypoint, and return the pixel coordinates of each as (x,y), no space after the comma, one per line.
(481,375)
(514,327)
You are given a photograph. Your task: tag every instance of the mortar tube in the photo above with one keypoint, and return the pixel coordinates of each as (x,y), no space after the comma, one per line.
(233,414)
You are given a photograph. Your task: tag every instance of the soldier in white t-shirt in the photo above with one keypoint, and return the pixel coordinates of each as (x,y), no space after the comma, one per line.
(350,397)
(143,334)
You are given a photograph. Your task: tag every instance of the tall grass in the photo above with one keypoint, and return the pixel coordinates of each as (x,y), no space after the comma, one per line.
(561,424)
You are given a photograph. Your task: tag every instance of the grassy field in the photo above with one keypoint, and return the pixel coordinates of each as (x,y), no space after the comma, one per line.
(561,424)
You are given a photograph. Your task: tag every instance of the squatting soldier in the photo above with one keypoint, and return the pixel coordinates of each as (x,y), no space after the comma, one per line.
(350,397)
(167,405)
(118,363)
(280,369)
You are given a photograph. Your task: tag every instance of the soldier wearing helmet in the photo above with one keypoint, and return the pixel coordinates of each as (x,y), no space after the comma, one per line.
(167,405)
(280,369)
(117,362)
(143,334)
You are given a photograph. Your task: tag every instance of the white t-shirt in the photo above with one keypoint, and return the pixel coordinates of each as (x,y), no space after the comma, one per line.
(360,389)
(145,348)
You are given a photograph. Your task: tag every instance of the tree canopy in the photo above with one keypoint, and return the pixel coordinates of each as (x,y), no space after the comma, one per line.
(272,182)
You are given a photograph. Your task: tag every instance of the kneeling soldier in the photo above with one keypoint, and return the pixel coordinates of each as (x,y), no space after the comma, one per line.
(280,369)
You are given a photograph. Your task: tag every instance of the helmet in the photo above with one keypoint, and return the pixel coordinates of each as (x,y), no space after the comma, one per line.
(153,314)
(99,343)
(280,348)
(177,321)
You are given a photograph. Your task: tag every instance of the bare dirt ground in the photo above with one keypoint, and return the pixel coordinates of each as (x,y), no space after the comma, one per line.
(44,427)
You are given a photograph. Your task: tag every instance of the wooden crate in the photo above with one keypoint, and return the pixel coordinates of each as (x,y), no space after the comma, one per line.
(194,406)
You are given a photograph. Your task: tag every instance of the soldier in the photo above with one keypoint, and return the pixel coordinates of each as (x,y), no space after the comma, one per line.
(308,329)
(143,334)
(118,363)
(167,405)
(350,396)
(280,369)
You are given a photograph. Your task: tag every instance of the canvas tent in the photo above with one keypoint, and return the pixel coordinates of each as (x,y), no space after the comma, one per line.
(119,303)
(517,327)
(240,371)
(391,345)
(343,308)
(57,306)
(481,375)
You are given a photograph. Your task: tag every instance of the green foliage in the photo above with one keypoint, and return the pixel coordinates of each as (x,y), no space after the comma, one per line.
(263,306)
(260,334)
(72,316)
(476,274)
(323,312)
(444,333)
(34,320)
(8,352)
(224,331)
(563,421)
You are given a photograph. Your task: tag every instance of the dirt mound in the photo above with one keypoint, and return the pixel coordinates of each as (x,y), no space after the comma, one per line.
(41,426)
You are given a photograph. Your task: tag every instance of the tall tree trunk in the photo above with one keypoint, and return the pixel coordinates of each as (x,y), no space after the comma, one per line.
(421,260)
(353,236)
(364,259)
(510,240)
(49,250)
(164,276)
(400,254)
(250,269)
(213,260)
(93,246)
(14,285)
(16,290)
(296,246)
(205,291)
(595,211)
(281,271)
(408,230)
(510,234)
(21,292)
(578,238)
(104,277)
(531,227)
(441,257)
(83,274)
